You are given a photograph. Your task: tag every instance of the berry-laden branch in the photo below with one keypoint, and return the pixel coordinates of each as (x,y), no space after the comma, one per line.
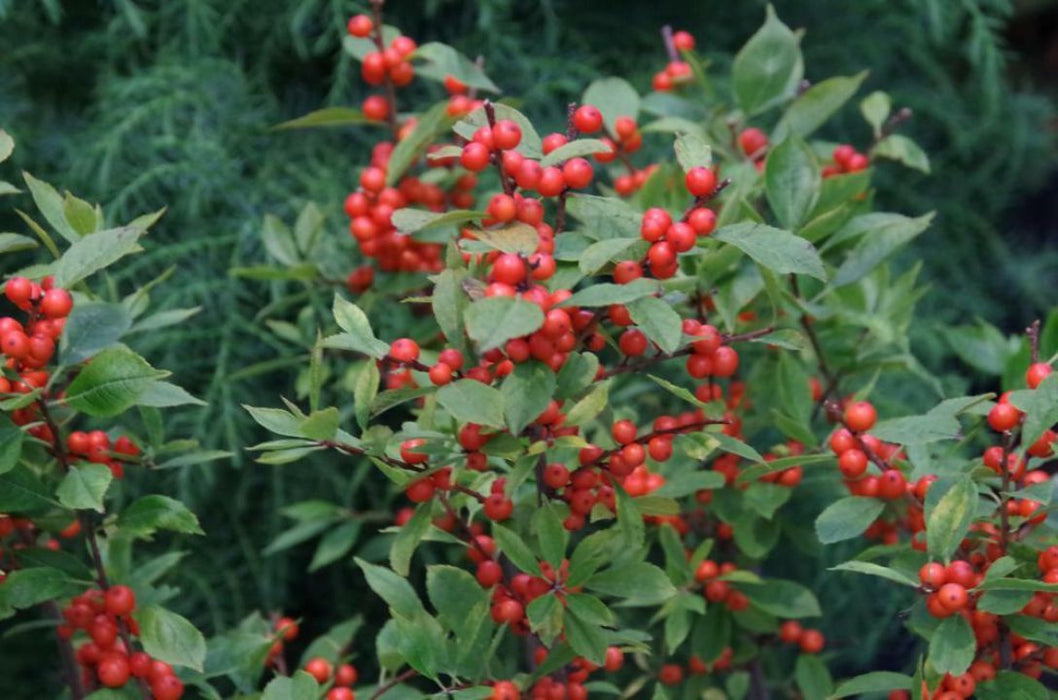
(391,89)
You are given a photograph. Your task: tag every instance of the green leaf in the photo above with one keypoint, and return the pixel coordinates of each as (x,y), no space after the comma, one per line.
(436,61)
(886,233)
(1002,602)
(92,253)
(300,686)
(514,237)
(550,534)
(84,486)
(545,615)
(952,646)
(950,518)
(692,152)
(768,68)
(320,425)
(607,294)
(512,545)
(781,598)
(409,220)
(11,438)
(847,518)
(816,105)
(875,109)
(165,394)
(149,514)
(1040,406)
(765,498)
(527,391)
(24,588)
(575,149)
(357,327)
(91,327)
(813,677)
(470,401)
(659,321)
(13,242)
(493,321)
(21,491)
(81,215)
(615,97)
(604,217)
(111,383)
(775,249)
(598,254)
(171,638)
(874,682)
(686,483)
(335,545)
(586,638)
(981,346)
(870,568)
(365,391)
(1010,685)
(903,150)
(328,116)
(638,582)
(393,589)
(50,204)
(448,302)
(453,593)
(431,124)
(411,533)
(792,181)
(279,241)
(7,145)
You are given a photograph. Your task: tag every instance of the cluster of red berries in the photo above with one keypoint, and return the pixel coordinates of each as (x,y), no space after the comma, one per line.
(392,64)
(342,677)
(370,211)
(28,347)
(568,682)
(673,674)
(95,446)
(855,447)
(810,641)
(667,240)
(676,73)
(846,160)
(106,618)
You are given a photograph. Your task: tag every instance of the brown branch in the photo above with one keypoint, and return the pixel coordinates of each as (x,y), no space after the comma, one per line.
(1033,332)
(670,45)
(397,680)
(380,44)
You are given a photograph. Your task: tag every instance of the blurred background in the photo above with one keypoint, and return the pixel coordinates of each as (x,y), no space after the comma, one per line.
(140,104)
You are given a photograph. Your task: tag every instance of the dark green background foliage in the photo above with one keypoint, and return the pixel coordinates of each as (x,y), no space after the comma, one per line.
(140,103)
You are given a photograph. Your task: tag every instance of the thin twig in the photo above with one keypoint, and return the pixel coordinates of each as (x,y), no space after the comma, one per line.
(380,44)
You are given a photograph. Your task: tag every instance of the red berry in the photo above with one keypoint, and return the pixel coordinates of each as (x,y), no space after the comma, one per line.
(553,141)
(552,182)
(319,668)
(700,181)
(475,156)
(19,291)
(587,119)
(1036,373)
(167,687)
(360,26)
(113,671)
(404,350)
(860,416)
(489,573)
(509,268)
(633,342)
(120,600)
(1003,417)
(683,41)
(440,374)
(409,454)
(577,173)
(752,140)
(952,596)
(624,432)
(812,641)
(375,108)
(506,134)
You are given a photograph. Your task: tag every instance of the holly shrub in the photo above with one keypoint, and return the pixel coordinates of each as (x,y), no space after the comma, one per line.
(612,413)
